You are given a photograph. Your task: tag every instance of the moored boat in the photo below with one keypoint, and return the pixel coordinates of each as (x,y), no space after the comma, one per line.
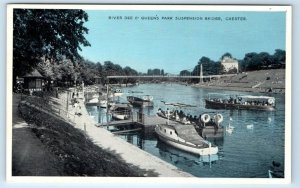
(117,92)
(94,101)
(186,138)
(208,125)
(144,101)
(103,103)
(121,111)
(241,102)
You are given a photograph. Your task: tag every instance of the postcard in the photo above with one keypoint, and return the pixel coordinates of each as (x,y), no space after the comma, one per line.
(132,92)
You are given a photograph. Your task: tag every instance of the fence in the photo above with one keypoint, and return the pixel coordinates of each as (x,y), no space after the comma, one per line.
(43,103)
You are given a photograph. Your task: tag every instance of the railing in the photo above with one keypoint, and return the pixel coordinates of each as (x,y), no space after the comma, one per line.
(43,103)
(171,76)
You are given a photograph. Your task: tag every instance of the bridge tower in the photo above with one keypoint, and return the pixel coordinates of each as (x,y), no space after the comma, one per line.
(201,74)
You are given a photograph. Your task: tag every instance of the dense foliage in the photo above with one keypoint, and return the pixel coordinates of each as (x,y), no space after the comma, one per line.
(257,61)
(156,72)
(252,61)
(67,71)
(46,33)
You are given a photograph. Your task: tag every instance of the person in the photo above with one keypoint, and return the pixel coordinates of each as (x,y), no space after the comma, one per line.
(56,92)
(168,112)
(73,95)
(159,110)
(79,111)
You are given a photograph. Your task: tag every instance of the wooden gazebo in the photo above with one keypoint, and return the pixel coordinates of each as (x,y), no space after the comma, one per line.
(33,81)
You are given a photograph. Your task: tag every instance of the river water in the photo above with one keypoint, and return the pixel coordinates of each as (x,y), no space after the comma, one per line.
(247,152)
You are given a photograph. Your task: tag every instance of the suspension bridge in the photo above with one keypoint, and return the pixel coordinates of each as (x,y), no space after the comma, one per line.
(200,76)
(171,76)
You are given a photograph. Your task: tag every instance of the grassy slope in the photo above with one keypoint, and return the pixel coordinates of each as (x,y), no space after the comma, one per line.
(76,154)
(258,81)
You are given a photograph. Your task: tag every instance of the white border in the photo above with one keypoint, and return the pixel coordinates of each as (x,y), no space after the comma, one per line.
(110,180)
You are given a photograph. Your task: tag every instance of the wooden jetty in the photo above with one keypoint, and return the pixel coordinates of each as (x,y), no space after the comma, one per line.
(146,122)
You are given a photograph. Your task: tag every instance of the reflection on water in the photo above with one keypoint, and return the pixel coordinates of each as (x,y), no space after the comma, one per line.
(257,137)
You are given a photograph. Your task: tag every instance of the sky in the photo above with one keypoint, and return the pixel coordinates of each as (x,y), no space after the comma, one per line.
(145,42)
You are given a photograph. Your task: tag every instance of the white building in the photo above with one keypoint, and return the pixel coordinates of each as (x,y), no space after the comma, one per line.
(229,63)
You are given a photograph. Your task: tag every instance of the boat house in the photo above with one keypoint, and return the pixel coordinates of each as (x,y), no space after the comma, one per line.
(33,81)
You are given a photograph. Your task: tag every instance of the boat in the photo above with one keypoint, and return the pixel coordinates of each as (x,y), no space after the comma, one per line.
(208,125)
(120,111)
(176,155)
(117,92)
(103,104)
(173,115)
(241,102)
(186,138)
(94,101)
(142,101)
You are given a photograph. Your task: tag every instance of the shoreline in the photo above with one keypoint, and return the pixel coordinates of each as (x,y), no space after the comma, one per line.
(142,159)
(242,89)
(261,81)
(129,156)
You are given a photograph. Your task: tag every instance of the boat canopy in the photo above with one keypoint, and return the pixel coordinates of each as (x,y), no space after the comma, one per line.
(241,96)
(189,134)
(121,105)
(255,97)
(178,104)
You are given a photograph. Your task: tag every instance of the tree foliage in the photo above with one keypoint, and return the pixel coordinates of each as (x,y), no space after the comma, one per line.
(251,61)
(257,61)
(227,54)
(155,71)
(209,67)
(82,70)
(52,34)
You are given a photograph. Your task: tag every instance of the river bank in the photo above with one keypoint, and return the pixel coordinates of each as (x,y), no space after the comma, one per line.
(262,81)
(77,147)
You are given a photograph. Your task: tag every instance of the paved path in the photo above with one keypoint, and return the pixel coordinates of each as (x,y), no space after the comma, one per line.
(29,155)
(130,153)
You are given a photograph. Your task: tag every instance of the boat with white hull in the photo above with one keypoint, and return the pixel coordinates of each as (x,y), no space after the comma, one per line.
(186,138)
(144,101)
(121,111)
(241,102)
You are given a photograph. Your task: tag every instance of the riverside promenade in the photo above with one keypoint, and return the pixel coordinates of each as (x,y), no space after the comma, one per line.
(128,152)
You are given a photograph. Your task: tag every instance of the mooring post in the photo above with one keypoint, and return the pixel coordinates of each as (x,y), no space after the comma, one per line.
(107,102)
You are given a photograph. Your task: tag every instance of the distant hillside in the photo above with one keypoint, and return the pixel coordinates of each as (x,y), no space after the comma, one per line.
(272,80)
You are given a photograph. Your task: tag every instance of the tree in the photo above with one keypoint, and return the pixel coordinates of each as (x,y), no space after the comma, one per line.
(227,54)
(251,61)
(266,59)
(279,56)
(50,33)
(149,72)
(46,69)
(130,72)
(156,71)
(99,69)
